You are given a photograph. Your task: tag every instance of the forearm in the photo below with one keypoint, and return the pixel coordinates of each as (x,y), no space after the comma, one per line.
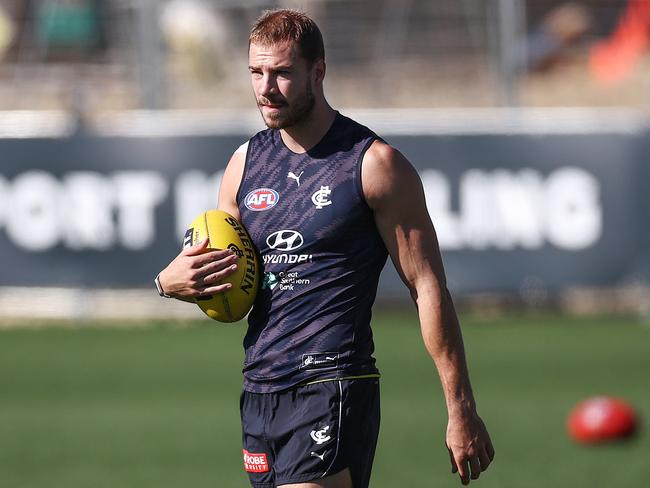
(197,272)
(167,289)
(443,339)
(468,442)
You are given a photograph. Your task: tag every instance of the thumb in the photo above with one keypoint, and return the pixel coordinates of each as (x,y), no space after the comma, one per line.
(197,248)
(454,466)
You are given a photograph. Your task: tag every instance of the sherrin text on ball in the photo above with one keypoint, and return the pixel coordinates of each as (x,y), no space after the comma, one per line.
(224,231)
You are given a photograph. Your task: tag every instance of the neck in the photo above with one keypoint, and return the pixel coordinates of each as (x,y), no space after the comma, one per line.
(302,137)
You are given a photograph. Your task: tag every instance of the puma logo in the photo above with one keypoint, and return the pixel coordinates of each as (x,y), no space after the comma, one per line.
(319,456)
(293,176)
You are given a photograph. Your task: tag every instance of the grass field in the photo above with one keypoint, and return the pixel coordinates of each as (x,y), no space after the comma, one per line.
(158,406)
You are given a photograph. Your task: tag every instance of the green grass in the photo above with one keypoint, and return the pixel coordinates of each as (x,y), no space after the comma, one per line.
(158,406)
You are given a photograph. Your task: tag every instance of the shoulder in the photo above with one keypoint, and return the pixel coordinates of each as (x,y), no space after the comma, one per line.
(231,180)
(352,129)
(235,167)
(259,142)
(385,172)
(256,144)
(242,150)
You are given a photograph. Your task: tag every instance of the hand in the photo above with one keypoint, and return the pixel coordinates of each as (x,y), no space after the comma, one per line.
(469,445)
(197,271)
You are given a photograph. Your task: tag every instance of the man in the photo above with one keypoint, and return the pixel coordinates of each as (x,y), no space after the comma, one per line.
(344,200)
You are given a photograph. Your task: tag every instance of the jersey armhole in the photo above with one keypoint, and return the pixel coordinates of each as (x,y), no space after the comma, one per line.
(247,148)
(358,181)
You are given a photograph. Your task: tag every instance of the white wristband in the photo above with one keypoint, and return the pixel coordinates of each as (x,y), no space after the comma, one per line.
(161,292)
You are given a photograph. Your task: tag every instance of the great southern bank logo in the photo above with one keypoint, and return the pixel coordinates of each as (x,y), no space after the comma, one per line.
(261,199)
(285,240)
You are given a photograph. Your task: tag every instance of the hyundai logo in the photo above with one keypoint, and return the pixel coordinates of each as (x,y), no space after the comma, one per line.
(285,240)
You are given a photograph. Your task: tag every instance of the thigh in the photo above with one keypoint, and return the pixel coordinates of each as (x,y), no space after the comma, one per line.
(342,479)
(328,428)
(258,454)
(320,433)
(358,438)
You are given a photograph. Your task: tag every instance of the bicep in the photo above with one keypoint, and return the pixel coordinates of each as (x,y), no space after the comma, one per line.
(230,184)
(396,195)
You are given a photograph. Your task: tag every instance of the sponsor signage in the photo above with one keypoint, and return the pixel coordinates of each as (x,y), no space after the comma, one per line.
(261,199)
(319,360)
(255,462)
(510,211)
(285,240)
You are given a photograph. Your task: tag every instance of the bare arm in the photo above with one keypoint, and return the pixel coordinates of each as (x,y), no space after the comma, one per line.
(195,271)
(230,183)
(394,191)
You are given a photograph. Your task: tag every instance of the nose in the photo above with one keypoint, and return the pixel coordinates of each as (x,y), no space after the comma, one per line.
(268,85)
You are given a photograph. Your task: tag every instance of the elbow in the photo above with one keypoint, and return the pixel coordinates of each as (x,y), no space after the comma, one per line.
(414,294)
(429,291)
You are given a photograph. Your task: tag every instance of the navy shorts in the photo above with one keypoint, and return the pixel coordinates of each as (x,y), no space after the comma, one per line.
(311,431)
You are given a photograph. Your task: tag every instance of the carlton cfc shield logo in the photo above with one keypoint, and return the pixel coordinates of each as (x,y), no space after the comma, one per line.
(285,240)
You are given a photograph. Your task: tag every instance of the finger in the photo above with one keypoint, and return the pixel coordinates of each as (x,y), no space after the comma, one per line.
(213,290)
(219,275)
(196,249)
(484,458)
(489,448)
(475,467)
(463,471)
(454,468)
(211,256)
(214,266)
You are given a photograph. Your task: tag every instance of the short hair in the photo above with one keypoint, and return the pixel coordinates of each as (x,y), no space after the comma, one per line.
(289,25)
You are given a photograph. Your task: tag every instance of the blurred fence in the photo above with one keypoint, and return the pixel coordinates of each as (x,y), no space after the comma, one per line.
(95,187)
(526,204)
(98,55)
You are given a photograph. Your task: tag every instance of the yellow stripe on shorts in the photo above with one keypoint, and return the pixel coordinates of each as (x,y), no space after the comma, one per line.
(360,377)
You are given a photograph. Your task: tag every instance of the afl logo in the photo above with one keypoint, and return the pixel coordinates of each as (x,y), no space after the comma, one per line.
(261,199)
(285,240)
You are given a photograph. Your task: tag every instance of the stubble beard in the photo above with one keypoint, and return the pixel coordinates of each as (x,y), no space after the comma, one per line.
(295,113)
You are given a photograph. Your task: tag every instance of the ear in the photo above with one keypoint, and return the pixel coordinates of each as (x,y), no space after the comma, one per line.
(318,70)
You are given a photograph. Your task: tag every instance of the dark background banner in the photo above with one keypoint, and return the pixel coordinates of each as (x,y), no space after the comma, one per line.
(513,212)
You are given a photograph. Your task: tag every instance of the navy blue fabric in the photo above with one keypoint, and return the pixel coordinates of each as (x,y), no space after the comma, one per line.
(313,431)
(322,256)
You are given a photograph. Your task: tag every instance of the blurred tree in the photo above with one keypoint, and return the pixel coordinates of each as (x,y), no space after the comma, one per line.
(7,32)
(69,28)
(195,35)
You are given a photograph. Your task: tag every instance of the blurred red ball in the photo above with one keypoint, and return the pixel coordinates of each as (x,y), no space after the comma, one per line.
(601,419)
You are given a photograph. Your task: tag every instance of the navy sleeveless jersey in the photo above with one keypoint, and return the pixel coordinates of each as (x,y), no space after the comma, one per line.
(322,256)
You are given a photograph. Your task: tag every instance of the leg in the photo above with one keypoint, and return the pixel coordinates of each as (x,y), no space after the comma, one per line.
(257,453)
(322,435)
(350,459)
(342,479)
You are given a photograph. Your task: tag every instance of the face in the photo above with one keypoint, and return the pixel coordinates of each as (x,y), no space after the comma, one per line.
(283,84)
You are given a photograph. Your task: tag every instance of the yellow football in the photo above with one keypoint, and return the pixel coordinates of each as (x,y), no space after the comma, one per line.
(224,232)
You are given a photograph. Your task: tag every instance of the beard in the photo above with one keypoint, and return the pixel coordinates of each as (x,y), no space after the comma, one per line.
(290,114)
